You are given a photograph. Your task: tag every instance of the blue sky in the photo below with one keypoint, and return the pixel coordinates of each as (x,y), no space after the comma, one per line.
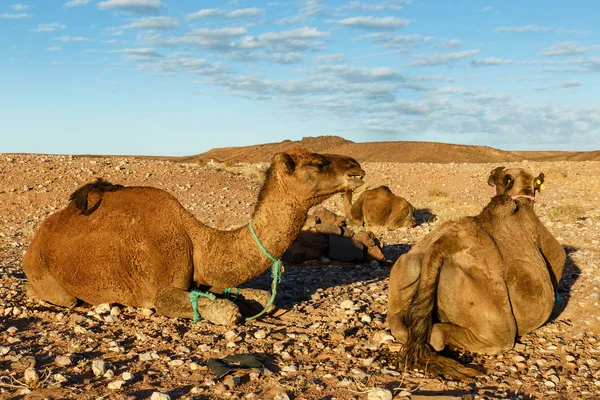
(166,77)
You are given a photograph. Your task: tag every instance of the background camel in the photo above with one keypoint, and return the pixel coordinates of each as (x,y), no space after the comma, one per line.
(515,181)
(492,277)
(138,246)
(379,207)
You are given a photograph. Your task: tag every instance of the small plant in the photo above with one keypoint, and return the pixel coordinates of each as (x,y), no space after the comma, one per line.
(201,162)
(437,193)
(229,164)
(567,213)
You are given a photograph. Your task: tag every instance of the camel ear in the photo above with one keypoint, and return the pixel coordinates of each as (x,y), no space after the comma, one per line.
(495,175)
(284,161)
(508,182)
(538,183)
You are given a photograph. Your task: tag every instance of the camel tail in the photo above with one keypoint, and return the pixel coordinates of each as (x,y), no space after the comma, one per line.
(80,196)
(417,351)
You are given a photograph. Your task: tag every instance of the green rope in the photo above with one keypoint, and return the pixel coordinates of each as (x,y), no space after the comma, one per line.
(194,296)
(276,271)
(227,293)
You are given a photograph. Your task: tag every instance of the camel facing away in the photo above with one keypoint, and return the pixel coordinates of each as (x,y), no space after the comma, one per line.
(379,207)
(138,246)
(476,283)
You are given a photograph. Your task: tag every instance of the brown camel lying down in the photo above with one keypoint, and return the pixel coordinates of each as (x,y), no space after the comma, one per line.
(491,278)
(379,207)
(138,246)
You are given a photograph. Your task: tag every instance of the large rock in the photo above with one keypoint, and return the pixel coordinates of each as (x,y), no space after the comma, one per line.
(345,249)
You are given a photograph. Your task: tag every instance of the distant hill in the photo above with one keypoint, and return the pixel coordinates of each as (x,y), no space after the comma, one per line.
(400,152)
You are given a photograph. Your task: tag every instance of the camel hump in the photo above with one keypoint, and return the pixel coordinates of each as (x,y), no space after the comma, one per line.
(80,196)
(384,188)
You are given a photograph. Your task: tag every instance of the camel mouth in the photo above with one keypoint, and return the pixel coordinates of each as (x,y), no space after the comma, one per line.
(354,181)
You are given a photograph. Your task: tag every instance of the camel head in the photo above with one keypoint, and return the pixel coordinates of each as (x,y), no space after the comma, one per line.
(515,182)
(311,178)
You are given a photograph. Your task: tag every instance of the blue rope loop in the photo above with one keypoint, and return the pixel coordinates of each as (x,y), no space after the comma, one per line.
(194,296)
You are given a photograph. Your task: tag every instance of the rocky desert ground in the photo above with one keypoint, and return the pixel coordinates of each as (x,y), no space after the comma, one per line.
(328,338)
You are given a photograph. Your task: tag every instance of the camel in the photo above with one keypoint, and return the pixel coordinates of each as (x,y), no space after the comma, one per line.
(476,283)
(379,207)
(138,246)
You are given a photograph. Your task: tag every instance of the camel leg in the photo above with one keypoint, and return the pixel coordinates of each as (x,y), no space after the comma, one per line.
(42,285)
(403,279)
(175,303)
(488,343)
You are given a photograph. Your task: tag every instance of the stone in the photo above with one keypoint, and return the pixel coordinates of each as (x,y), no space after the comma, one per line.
(160,396)
(127,376)
(63,361)
(345,249)
(379,394)
(116,384)
(98,367)
(30,376)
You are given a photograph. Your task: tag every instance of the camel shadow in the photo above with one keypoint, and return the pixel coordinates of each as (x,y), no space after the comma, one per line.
(301,281)
(569,276)
(423,216)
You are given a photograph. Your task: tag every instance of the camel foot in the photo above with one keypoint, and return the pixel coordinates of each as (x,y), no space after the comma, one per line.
(220,312)
(436,339)
(31,292)
(253,301)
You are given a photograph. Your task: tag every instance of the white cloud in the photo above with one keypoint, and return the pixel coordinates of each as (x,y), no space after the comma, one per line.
(77,3)
(424,60)
(246,12)
(19,7)
(485,9)
(525,28)
(356,74)
(490,61)
(356,5)
(178,63)
(135,6)
(374,23)
(220,38)
(55,26)
(71,39)
(562,85)
(54,48)
(564,49)
(218,12)
(153,23)
(138,54)
(206,13)
(15,16)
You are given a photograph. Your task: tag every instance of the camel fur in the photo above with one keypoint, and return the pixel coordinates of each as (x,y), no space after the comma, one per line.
(476,283)
(138,246)
(379,207)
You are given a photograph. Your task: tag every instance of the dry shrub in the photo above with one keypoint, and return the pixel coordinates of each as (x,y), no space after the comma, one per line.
(201,162)
(229,164)
(567,213)
(437,193)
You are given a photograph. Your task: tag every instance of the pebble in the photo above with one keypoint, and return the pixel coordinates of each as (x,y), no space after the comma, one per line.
(281,396)
(103,308)
(549,384)
(127,376)
(160,396)
(63,361)
(519,358)
(260,334)
(30,376)
(4,350)
(379,394)
(347,304)
(116,384)
(145,356)
(60,378)
(109,374)
(98,367)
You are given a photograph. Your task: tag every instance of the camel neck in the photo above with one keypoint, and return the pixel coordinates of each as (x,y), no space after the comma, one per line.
(276,225)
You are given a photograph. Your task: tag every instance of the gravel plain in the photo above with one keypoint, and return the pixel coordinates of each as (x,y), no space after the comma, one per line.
(328,338)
